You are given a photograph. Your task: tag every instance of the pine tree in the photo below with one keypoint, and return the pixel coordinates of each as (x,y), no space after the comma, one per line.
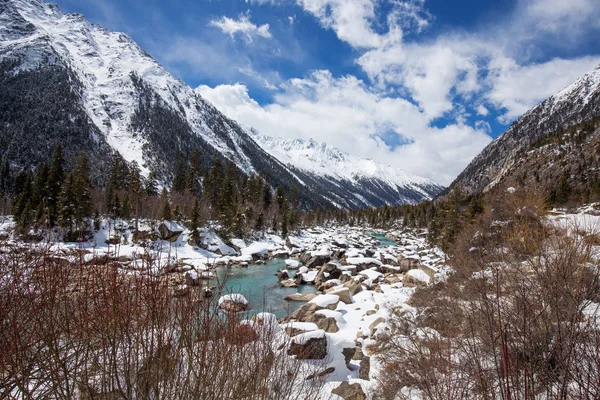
(22,208)
(267,197)
(55,182)
(82,189)
(195,222)
(280,197)
(284,224)
(5,178)
(136,190)
(40,193)
(166,213)
(179,177)
(67,203)
(151,186)
(116,206)
(194,173)
(126,208)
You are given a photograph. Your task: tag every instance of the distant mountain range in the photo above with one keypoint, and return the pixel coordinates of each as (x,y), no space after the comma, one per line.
(352,181)
(66,80)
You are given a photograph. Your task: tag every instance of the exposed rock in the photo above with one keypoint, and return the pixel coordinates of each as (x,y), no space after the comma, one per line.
(233,303)
(283,276)
(353,286)
(317,261)
(291,331)
(370,312)
(321,374)
(328,324)
(305,312)
(192,278)
(292,243)
(365,368)
(349,391)
(416,277)
(312,348)
(406,264)
(374,324)
(326,286)
(290,283)
(300,297)
(344,295)
(348,353)
(358,354)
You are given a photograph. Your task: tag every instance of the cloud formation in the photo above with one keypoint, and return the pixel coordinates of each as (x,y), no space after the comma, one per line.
(242,26)
(426,104)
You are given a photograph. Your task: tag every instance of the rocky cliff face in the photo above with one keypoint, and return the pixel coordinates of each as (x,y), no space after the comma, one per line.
(565,112)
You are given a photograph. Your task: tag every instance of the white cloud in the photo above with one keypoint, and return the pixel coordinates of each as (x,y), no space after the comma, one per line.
(481,110)
(348,114)
(242,26)
(413,84)
(515,88)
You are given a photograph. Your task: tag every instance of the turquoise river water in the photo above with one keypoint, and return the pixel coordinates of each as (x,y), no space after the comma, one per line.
(259,284)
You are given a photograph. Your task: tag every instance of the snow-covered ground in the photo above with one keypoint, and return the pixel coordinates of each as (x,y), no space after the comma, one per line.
(360,282)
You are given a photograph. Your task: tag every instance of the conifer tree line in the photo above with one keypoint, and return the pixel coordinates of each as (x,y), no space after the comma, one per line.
(53,197)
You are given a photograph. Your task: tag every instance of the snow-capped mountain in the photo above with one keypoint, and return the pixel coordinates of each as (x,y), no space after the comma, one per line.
(349,173)
(66,80)
(576,104)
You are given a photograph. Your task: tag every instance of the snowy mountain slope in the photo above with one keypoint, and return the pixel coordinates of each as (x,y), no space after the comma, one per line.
(104,61)
(121,99)
(348,172)
(66,80)
(576,104)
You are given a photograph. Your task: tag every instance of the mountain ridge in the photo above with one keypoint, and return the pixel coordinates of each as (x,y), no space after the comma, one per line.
(123,99)
(573,105)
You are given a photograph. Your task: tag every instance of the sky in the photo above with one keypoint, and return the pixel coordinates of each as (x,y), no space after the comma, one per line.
(423,85)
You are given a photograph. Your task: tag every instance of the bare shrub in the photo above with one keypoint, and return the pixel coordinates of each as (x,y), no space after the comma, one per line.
(69,330)
(518,319)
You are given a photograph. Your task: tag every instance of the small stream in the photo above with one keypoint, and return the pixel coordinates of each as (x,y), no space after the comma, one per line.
(383,240)
(259,285)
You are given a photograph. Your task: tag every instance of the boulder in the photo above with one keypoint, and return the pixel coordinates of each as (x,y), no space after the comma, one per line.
(365,368)
(353,286)
(317,261)
(375,323)
(309,346)
(300,297)
(328,324)
(283,275)
(292,243)
(358,354)
(321,374)
(416,277)
(406,264)
(323,287)
(344,295)
(233,303)
(349,391)
(290,283)
(192,278)
(305,312)
(348,353)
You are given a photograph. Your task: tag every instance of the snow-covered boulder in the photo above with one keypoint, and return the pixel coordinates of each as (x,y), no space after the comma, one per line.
(234,302)
(416,277)
(309,346)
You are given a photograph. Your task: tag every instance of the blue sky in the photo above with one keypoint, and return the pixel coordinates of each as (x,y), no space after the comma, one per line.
(419,84)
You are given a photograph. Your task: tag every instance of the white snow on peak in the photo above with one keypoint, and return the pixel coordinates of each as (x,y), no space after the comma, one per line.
(104,61)
(328,161)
